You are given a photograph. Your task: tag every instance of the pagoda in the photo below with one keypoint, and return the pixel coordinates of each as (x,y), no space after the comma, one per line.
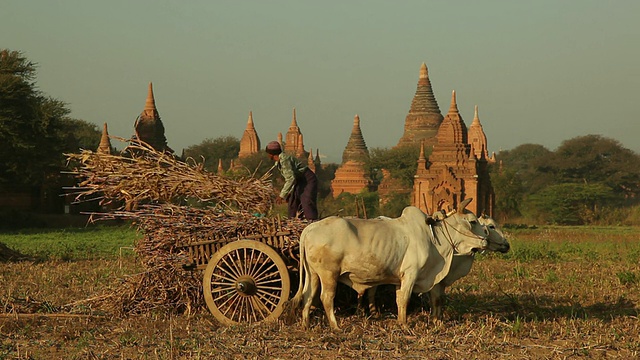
(250,142)
(293,139)
(478,139)
(148,126)
(424,117)
(453,171)
(351,176)
(105,142)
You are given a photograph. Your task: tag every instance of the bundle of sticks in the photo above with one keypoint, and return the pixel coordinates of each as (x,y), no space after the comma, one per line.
(141,174)
(152,189)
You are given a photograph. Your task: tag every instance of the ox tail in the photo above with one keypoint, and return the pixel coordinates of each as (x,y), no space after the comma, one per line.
(297,298)
(290,307)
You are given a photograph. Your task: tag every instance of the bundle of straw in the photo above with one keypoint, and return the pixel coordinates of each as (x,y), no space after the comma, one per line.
(141,174)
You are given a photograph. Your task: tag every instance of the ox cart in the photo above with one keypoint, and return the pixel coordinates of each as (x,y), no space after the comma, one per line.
(247,280)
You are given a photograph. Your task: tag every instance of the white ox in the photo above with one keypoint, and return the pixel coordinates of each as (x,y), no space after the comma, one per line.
(460,267)
(362,254)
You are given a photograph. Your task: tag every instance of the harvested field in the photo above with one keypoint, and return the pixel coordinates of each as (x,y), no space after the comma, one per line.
(560,293)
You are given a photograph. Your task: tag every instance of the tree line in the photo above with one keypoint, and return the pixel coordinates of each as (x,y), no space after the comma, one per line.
(587,180)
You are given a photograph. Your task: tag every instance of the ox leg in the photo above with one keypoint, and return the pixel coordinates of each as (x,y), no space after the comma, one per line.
(360,309)
(403,294)
(371,297)
(311,289)
(436,297)
(329,284)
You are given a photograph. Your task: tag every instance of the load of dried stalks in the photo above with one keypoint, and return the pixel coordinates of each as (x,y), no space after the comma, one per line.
(149,185)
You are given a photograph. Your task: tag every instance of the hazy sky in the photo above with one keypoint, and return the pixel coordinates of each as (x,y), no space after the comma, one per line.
(540,71)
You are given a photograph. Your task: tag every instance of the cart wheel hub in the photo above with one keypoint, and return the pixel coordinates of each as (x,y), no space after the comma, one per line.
(246,286)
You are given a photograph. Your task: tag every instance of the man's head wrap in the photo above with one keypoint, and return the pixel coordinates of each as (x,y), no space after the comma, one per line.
(273,148)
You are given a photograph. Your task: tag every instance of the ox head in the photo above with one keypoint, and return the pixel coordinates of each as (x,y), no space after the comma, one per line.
(497,240)
(463,229)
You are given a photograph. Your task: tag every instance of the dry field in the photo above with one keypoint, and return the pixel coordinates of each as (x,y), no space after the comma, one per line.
(560,293)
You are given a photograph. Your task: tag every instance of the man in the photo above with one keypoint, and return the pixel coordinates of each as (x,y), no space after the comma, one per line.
(300,188)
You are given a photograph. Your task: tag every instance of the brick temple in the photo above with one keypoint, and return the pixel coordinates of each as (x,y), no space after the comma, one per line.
(424,118)
(250,142)
(455,170)
(352,175)
(148,126)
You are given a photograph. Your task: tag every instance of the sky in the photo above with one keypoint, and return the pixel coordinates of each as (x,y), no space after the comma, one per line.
(541,71)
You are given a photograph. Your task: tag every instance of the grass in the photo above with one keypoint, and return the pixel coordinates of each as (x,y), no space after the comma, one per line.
(560,293)
(95,242)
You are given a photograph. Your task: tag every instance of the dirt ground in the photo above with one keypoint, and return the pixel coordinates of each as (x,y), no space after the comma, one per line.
(504,309)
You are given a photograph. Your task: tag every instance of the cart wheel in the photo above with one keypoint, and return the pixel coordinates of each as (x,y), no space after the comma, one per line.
(246,281)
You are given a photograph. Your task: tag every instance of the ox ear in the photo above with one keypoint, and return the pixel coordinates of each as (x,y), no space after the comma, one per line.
(464,204)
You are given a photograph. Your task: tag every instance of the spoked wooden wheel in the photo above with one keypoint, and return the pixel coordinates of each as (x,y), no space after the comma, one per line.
(246,281)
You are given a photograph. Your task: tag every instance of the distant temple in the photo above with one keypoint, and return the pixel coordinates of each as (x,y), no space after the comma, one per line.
(454,171)
(314,163)
(352,176)
(149,127)
(250,142)
(424,117)
(105,143)
(293,141)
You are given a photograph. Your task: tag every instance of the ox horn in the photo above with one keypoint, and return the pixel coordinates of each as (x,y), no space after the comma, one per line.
(450,213)
(463,204)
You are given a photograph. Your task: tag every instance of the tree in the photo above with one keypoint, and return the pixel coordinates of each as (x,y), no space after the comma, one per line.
(210,151)
(347,204)
(255,165)
(526,163)
(35,129)
(509,192)
(571,203)
(595,159)
(402,163)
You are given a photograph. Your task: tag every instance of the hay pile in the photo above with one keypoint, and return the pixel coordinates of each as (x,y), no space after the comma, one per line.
(151,189)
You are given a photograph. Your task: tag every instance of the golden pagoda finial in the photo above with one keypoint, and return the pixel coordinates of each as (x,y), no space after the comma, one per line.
(151,102)
(454,105)
(424,72)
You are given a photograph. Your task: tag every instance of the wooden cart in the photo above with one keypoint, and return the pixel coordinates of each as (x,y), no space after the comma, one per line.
(247,280)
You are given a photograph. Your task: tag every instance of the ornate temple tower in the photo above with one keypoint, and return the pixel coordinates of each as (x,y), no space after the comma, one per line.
(311,164)
(424,117)
(149,127)
(351,176)
(453,172)
(105,143)
(250,142)
(293,136)
(478,139)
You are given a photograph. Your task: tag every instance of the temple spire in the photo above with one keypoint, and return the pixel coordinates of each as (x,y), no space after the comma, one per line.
(294,121)
(424,117)
(250,142)
(453,108)
(148,126)
(151,101)
(105,143)
(424,72)
(422,160)
(220,168)
(293,139)
(477,137)
(453,131)
(356,148)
